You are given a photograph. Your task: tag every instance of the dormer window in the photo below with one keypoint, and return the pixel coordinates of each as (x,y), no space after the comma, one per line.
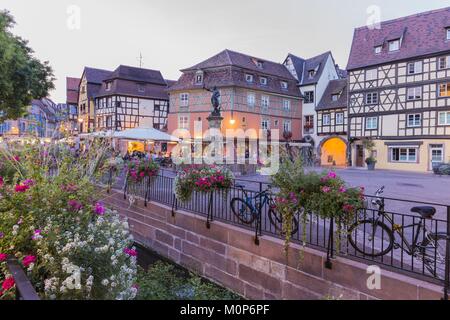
(311,73)
(284,85)
(378,49)
(394,45)
(263,81)
(199,77)
(335,97)
(108,86)
(249,78)
(448,33)
(141,87)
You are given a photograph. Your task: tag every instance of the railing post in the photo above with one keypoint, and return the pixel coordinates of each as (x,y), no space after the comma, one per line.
(147,191)
(210,215)
(447,258)
(174,205)
(24,288)
(330,250)
(125,188)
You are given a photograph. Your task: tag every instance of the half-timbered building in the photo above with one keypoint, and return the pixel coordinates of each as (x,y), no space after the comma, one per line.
(399,92)
(131,97)
(90,84)
(332,124)
(314,76)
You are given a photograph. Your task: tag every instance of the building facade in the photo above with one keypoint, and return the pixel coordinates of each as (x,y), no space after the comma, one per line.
(70,109)
(40,121)
(399,92)
(89,86)
(332,124)
(314,76)
(256,94)
(131,97)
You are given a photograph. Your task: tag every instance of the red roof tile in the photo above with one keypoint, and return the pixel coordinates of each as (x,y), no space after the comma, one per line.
(423,34)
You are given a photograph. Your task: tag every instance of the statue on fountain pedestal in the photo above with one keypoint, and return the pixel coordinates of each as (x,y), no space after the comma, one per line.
(215,101)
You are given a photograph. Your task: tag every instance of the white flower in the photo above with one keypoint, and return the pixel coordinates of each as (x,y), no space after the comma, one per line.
(105,282)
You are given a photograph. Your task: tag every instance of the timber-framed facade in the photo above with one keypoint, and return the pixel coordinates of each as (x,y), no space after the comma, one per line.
(399,92)
(132,97)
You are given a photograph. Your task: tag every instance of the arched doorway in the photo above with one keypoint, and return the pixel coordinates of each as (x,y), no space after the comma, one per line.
(333,152)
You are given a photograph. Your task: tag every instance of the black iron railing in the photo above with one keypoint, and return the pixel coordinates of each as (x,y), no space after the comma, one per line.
(24,288)
(400,227)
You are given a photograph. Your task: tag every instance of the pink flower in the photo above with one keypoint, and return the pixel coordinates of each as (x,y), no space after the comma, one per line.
(28,260)
(28,183)
(20,188)
(2,235)
(99,209)
(75,205)
(342,190)
(348,208)
(37,235)
(8,283)
(332,175)
(326,189)
(1,182)
(17,158)
(130,252)
(3,257)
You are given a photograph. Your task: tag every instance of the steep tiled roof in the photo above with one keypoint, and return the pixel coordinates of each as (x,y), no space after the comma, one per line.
(304,66)
(338,86)
(96,76)
(422,34)
(129,80)
(232,58)
(137,74)
(72,88)
(229,68)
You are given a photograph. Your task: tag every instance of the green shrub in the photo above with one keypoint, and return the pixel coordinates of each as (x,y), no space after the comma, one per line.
(164,281)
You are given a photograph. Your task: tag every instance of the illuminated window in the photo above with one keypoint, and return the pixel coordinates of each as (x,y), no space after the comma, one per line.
(444,90)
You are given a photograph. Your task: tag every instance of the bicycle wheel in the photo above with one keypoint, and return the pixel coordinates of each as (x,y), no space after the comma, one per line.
(372,239)
(433,250)
(276,220)
(242,211)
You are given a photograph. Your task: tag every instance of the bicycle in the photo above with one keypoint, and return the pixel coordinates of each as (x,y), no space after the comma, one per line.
(249,209)
(378,238)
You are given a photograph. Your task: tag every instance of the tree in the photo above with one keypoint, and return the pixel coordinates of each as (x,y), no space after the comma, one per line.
(22,76)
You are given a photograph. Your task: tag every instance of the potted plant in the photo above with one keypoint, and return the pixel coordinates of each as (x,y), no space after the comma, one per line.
(371,161)
(369,145)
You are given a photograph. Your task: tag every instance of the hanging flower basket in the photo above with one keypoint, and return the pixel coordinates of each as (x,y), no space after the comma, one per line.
(140,169)
(203,179)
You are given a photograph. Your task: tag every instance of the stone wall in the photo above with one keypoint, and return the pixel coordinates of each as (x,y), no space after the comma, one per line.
(227,255)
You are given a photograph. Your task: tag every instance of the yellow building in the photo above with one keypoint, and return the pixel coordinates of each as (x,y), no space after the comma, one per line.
(90,84)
